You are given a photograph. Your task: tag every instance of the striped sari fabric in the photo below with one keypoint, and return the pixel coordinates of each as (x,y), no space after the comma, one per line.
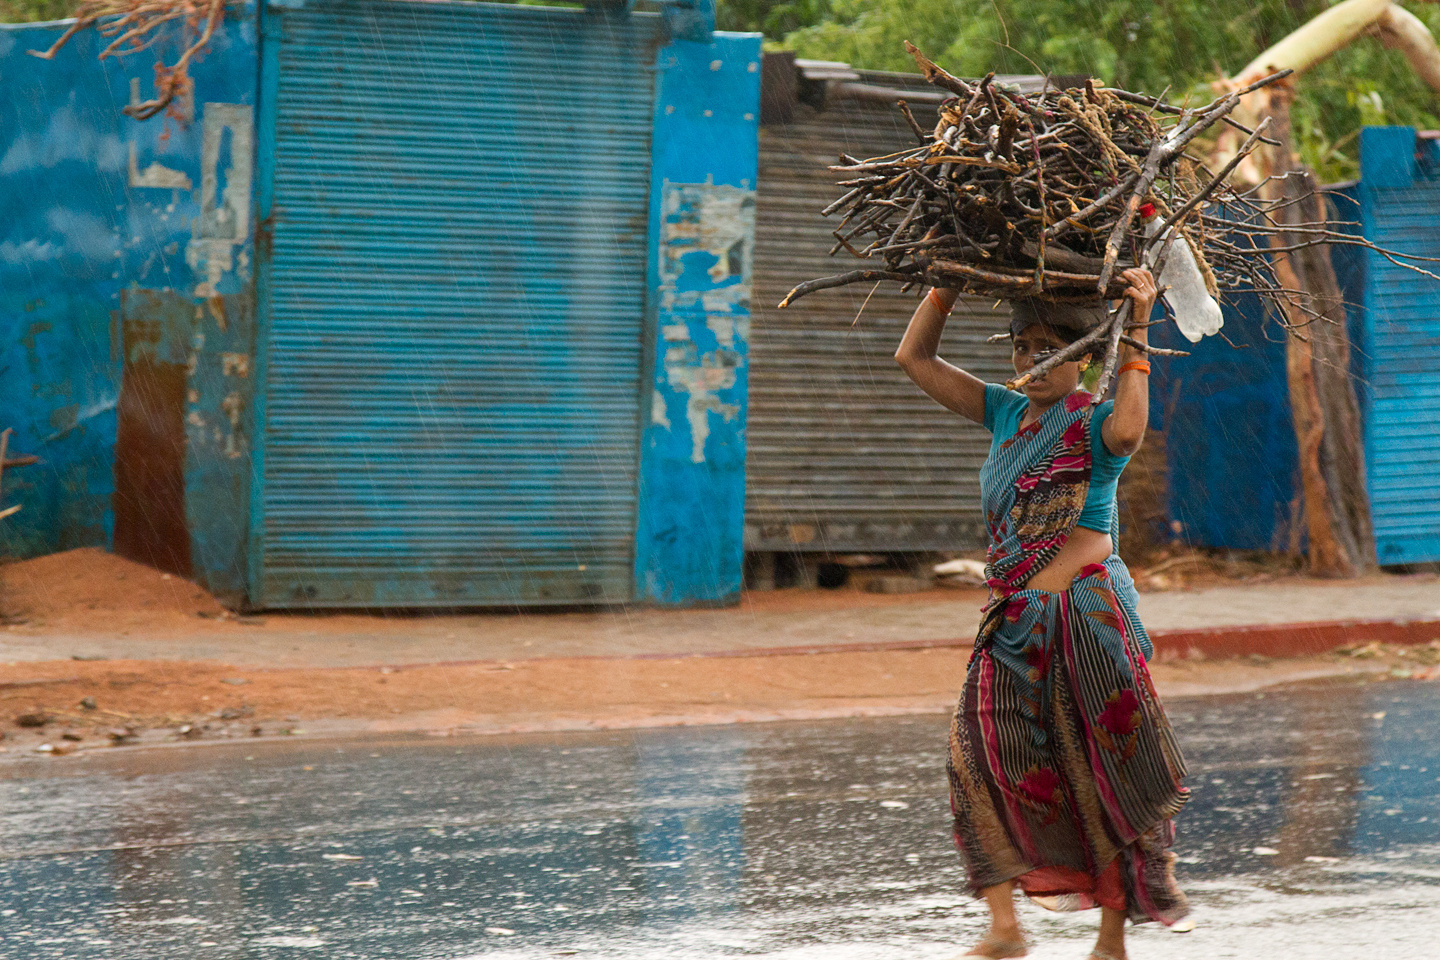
(1064,771)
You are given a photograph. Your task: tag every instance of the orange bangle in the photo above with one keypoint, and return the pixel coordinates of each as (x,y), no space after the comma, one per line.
(1142,365)
(934,295)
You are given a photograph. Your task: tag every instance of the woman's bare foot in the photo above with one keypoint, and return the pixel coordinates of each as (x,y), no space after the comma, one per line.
(998,945)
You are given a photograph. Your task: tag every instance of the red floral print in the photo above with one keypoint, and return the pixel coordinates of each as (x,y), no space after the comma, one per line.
(1037,658)
(1041,785)
(1121,715)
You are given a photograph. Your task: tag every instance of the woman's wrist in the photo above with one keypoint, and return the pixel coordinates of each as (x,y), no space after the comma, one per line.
(942,298)
(1140,310)
(1140,334)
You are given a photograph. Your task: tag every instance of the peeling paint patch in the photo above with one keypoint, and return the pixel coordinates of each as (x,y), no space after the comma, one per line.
(233,406)
(706,238)
(156,175)
(224,221)
(712,226)
(235,364)
(715,372)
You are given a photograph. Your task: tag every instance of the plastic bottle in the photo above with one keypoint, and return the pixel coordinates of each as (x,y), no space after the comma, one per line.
(1196,312)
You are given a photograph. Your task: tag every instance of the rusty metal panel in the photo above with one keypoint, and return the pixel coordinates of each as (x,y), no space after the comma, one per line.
(452,283)
(845,453)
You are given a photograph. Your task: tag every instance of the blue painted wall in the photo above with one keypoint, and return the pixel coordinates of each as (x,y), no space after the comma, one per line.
(93,203)
(63,220)
(1225,410)
(1400,210)
(690,522)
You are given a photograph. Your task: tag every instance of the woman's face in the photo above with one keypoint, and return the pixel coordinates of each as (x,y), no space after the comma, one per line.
(1033,345)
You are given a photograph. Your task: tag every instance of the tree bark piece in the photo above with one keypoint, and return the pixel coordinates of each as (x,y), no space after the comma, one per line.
(1399,29)
(1322,396)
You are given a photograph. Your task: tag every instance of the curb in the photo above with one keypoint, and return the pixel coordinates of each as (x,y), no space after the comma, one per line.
(1289,639)
(1274,640)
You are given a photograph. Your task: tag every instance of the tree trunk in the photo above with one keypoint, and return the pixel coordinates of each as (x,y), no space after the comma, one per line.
(1322,395)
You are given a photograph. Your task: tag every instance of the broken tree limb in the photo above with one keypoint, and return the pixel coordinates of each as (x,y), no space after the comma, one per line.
(1317,40)
(1399,29)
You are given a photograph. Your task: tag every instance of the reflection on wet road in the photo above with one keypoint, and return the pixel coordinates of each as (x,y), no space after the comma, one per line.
(1311,834)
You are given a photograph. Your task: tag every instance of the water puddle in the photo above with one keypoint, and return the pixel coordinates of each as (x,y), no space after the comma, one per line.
(1311,834)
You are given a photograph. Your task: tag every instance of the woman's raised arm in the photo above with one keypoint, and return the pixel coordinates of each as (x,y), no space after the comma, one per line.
(917,355)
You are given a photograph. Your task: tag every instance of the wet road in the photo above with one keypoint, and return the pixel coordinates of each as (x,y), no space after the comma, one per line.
(1312,834)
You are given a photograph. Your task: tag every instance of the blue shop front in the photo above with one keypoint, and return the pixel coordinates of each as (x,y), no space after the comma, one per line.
(417,305)
(1225,410)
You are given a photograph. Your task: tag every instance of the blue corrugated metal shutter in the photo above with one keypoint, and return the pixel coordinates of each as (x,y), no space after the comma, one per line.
(1400,204)
(453,303)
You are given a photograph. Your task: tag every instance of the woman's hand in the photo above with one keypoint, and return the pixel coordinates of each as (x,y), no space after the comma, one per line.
(1141,293)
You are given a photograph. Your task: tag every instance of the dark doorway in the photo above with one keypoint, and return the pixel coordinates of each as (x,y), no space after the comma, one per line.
(150,466)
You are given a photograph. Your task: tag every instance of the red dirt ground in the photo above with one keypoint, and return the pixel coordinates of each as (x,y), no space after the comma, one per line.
(86,589)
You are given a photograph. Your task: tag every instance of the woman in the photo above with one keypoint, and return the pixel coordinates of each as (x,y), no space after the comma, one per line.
(1064,773)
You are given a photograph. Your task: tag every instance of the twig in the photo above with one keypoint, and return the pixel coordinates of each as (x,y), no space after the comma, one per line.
(133,26)
(1130,341)
(840,280)
(920,134)
(1112,350)
(1155,103)
(937,76)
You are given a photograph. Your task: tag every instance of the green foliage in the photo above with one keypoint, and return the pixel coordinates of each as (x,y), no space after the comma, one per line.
(1178,46)
(31,11)
(774,18)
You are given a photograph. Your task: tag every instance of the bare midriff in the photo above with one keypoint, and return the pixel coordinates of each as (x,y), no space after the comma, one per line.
(1084,547)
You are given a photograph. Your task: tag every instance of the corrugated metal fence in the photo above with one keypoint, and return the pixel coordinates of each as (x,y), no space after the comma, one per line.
(1400,209)
(845,453)
(454,303)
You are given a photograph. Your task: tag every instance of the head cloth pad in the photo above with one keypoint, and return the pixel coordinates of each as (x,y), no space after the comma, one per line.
(1070,321)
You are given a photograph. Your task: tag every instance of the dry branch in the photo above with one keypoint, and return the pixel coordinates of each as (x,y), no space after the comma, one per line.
(135,25)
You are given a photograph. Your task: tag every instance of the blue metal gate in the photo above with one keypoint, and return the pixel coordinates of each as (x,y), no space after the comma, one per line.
(451,271)
(1400,197)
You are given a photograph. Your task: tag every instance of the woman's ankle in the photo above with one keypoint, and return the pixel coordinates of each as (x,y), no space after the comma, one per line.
(1011,932)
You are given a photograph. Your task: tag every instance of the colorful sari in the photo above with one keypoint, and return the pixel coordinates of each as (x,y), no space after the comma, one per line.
(1064,771)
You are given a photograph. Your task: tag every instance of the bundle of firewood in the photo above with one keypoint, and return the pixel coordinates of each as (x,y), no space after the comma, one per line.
(1051,195)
